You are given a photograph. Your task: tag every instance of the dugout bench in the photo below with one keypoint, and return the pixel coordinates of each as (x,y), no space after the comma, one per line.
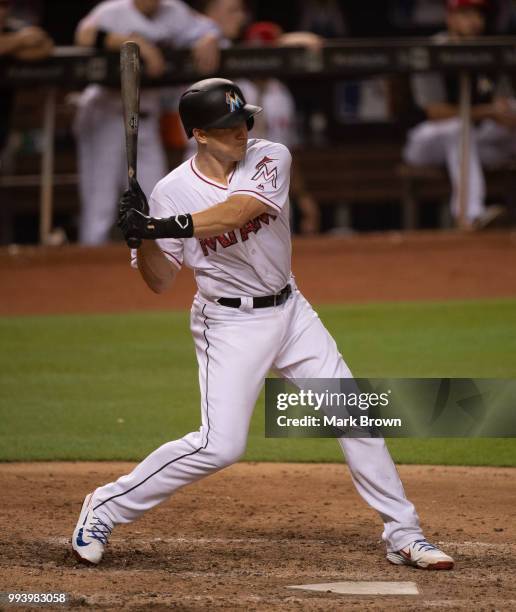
(336,176)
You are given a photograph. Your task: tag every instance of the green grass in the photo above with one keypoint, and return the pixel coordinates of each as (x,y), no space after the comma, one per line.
(116,386)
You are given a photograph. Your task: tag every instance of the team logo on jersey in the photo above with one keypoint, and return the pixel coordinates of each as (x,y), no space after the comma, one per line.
(209,245)
(234,101)
(264,172)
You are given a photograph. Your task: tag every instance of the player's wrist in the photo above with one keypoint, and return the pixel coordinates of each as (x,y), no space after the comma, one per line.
(135,224)
(179,226)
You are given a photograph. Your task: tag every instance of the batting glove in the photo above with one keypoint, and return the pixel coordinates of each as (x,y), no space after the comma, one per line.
(135,224)
(133,198)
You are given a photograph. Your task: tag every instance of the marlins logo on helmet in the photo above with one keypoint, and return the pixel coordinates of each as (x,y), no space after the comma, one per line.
(233,100)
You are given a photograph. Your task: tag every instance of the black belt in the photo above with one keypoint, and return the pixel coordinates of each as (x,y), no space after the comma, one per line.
(265,301)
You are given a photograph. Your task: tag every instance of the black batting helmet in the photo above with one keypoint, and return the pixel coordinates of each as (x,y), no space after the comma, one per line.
(215,103)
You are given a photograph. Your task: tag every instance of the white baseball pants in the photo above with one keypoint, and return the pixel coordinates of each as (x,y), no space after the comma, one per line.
(100,136)
(438,143)
(235,350)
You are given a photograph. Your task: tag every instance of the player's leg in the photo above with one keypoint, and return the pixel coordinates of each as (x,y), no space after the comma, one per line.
(99,135)
(438,143)
(234,355)
(496,143)
(310,352)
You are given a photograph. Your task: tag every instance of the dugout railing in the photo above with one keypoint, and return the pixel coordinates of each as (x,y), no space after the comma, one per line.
(72,67)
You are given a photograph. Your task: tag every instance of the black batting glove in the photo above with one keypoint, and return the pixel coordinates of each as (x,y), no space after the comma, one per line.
(133,198)
(135,224)
(138,197)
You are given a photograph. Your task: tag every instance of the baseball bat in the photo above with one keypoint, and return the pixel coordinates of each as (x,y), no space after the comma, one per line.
(130,84)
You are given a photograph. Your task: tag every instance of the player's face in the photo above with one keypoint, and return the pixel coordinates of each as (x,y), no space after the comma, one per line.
(147,7)
(230,16)
(228,144)
(466,22)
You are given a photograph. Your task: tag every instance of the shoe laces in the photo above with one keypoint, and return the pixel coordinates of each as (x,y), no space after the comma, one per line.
(423,545)
(99,530)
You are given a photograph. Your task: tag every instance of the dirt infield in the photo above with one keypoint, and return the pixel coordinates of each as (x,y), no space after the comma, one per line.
(424,266)
(238,539)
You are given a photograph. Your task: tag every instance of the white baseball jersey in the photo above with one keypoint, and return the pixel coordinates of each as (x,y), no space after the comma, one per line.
(250,261)
(174,24)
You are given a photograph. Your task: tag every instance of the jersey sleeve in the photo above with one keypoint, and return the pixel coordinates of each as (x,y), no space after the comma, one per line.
(161,205)
(265,175)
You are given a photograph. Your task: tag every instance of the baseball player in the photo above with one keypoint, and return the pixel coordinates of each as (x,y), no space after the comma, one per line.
(99,131)
(436,141)
(224,213)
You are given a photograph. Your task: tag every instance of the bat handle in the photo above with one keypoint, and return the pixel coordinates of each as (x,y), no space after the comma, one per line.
(133,243)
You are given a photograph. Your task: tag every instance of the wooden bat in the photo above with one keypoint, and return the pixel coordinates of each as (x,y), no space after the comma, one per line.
(130,83)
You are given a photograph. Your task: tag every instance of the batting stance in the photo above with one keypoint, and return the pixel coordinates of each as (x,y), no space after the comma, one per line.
(224,213)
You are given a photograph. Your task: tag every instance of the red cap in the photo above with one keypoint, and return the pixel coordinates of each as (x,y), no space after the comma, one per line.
(263,32)
(481,5)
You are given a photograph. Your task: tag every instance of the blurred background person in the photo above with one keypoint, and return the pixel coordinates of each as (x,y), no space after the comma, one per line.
(277,122)
(436,141)
(229,15)
(99,128)
(416,17)
(324,18)
(22,42)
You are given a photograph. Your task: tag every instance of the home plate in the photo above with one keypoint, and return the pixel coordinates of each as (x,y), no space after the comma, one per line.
(362,588)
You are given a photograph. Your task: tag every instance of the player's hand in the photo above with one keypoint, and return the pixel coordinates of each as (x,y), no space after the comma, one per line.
(33,54)
(132,222)
(155,64)
(137,197)
(30,36)
(504,112)
(206,54)
(309,40)
(132,199)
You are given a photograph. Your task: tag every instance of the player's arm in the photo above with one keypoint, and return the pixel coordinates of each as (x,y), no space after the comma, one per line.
(231,214)
(11,42)
(443,110)
(29,43)
(430,95)
(92,35)
(156,270)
